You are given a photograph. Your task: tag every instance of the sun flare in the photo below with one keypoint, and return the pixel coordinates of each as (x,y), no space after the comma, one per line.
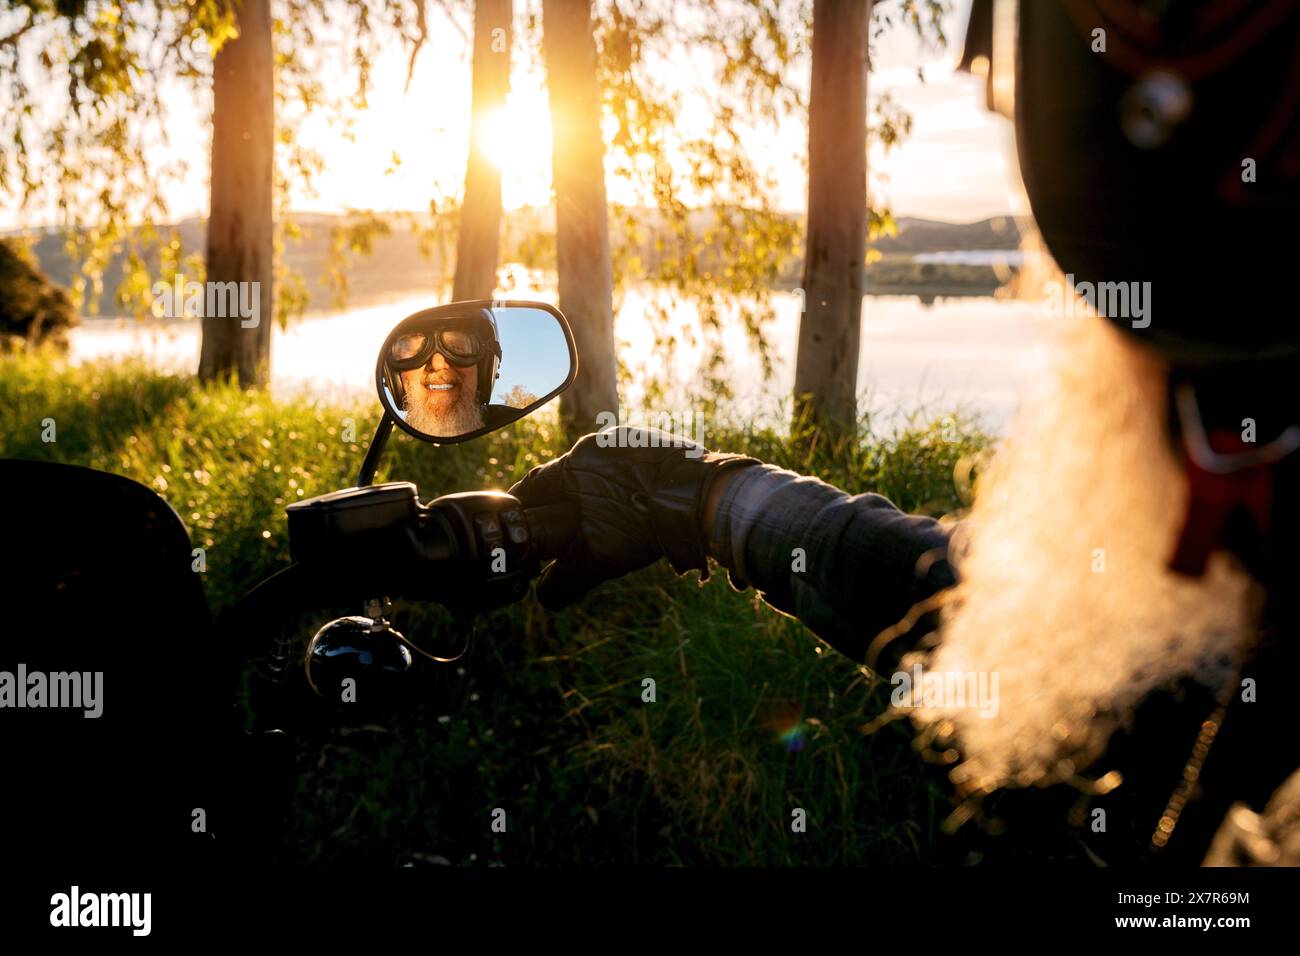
(516,139)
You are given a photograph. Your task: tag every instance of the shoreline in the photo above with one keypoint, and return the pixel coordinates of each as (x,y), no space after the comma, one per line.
(927,294)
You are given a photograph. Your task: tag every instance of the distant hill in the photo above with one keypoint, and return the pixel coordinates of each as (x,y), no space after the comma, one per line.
(399,266)
(396,264)
(916,236)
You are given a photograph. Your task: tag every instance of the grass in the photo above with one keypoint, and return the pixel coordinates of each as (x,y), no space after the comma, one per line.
(752,719)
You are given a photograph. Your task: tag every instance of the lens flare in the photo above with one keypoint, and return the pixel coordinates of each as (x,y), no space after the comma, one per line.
(793,738)
(786,722)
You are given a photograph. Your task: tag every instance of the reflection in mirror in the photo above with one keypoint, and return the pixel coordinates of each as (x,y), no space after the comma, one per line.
(451,373)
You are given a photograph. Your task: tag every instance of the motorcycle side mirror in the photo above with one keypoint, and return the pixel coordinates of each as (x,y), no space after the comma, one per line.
(452,373)
(459,371)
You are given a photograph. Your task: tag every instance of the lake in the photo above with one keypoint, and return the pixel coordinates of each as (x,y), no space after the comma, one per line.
(975,353)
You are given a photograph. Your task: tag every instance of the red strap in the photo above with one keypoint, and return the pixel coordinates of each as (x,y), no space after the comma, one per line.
(1212,499)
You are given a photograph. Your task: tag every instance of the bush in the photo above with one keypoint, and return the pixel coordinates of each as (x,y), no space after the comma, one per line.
(33,311)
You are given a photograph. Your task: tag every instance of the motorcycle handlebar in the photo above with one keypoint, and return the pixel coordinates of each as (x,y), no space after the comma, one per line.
(361,571)
(351,558)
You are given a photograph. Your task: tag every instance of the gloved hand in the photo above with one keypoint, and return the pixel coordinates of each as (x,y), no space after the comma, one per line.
(635,505)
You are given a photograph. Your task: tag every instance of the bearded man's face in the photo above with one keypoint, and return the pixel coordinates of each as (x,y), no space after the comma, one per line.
(442,399)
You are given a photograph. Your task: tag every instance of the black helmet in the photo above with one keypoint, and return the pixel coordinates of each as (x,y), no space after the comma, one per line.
(1159,143)
(464,336)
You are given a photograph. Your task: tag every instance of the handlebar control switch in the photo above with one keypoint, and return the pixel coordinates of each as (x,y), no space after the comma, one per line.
(497,560)
(516,527)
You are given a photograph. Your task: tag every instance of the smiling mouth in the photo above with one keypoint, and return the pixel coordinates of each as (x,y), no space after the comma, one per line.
(440,387)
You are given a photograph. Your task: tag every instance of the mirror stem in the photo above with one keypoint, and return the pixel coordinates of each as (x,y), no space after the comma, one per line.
(376,450)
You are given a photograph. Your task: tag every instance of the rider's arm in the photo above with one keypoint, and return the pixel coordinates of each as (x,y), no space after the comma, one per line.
(846,566)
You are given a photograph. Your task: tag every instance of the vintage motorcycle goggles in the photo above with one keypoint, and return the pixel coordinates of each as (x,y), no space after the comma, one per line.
(461,346)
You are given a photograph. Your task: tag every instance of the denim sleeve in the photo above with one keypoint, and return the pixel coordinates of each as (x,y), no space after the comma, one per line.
(846,566)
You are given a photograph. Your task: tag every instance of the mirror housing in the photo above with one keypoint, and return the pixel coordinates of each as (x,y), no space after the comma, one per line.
(468,345)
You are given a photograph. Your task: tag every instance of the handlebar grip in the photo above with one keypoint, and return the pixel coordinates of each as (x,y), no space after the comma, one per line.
(552,527)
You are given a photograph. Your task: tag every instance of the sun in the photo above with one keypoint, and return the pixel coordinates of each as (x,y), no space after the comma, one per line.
(517,140)
(494,134)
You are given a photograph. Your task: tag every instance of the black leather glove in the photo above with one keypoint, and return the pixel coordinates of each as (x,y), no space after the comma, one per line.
(635,505)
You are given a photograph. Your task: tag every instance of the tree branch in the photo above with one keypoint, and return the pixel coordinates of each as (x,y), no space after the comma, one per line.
(422,25)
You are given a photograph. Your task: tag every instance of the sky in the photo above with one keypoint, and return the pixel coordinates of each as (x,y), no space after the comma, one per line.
(957,164)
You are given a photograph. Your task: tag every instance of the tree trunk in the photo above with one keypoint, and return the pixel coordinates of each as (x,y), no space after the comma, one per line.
(240,243)
(826,371)
(479,240)
(581,218)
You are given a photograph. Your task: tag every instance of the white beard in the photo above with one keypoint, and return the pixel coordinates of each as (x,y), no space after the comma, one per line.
(461,419)
(1087,466)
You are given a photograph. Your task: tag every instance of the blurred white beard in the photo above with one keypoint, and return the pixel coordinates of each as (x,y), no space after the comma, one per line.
(1087,466)
(461,419)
